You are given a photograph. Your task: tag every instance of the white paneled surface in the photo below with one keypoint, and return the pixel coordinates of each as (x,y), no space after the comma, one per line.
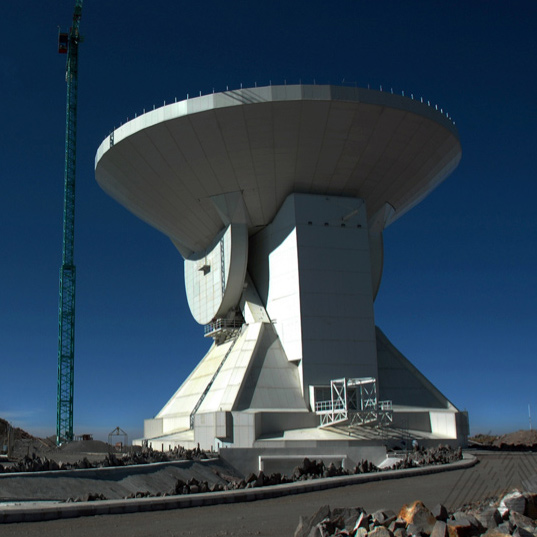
(254,373)
(443,424)
(273,383)
(338,333)
(227,384)
(269,142)
(214,278)
(312,264)
(176,413)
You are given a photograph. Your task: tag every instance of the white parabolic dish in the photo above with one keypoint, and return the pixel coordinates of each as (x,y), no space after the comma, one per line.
(166,165)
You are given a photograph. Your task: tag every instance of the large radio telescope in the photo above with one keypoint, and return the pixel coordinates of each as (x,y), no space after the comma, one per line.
(277,197)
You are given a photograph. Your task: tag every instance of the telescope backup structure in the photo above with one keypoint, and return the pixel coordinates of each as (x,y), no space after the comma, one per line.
(277,197)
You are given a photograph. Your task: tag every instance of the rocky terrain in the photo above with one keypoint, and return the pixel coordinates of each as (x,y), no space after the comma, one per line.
(33,454)
(23,442)
(309,469)
(18,433)
(132,475)
(513,514)
(80,454)
(522,440)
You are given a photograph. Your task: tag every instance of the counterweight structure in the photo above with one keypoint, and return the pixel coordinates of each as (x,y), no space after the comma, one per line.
(277,199)
(68,44)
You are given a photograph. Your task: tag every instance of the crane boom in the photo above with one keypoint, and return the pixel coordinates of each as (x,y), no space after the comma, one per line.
(68,44)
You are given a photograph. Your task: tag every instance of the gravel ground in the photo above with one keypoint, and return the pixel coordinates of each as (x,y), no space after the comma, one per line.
(93,450)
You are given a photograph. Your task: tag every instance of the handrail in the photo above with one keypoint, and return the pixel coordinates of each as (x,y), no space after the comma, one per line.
(221,324)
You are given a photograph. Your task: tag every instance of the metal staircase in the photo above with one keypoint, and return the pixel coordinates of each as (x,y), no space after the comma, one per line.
(355,401)
(209,386)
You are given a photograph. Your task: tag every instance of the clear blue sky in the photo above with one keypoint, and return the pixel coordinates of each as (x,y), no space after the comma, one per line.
(459,291)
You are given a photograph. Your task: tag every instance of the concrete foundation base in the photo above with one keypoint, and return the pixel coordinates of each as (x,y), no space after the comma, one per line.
(250,431)
(283,460)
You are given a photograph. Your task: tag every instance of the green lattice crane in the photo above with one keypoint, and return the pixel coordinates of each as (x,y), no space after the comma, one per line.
(68,44)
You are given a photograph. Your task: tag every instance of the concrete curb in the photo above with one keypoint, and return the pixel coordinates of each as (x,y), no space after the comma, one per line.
(41,511)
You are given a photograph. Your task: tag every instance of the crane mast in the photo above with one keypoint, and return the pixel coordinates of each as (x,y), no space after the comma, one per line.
(68,44)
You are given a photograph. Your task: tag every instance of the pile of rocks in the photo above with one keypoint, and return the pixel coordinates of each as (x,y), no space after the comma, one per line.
(514,515)
(312,469)
(95,496)
(307,470)
(523,440)
(434,455)
(193,486)
(224,478)
(89,497)
(517,441)
(16,431)
(419,457)
(43,464)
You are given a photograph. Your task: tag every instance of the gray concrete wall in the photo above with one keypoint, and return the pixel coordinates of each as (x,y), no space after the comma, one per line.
(285,459)
(274,422)
(417,421)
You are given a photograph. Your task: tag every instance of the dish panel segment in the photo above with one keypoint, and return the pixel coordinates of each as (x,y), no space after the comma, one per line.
(267,143)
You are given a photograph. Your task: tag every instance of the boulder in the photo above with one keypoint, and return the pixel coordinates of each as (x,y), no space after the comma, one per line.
(418,518)
(400,532)
(363,521)
(324,528)
(521,521)
(346,518)
(179,487)
(506,527)
(489,517)
(469,517)
(439,529)
(460,527)
(92,497)
(521,532)
(440,512)
(495,532)
(307,524)
(331,471)
(514,501)
(260,481)
(531,504)
(251,478)
(397,524)
(380,531)
(312,468)
(274,479)
(383,517)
